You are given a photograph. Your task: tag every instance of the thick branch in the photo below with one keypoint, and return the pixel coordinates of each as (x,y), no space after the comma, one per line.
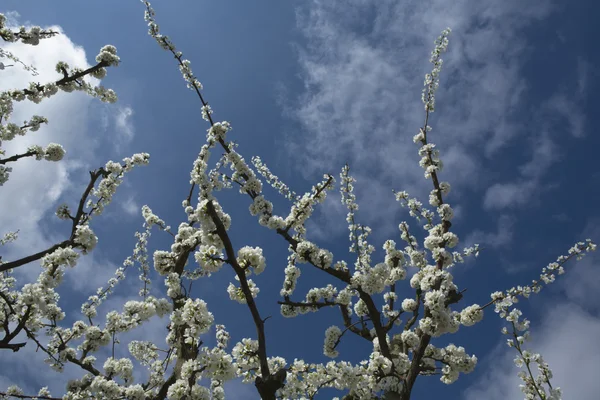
(268,384)
(16,157)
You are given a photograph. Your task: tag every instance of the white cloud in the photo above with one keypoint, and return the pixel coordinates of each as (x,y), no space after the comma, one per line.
(124,126)
(130,206)
(583,75)
(35,187)
(527,186)
(560,106)
(567,339)
(501,237)
(12,18)
(504,195)
(545,153)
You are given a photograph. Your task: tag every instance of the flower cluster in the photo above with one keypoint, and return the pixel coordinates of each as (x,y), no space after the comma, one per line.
(237,294)
(85,238)
(245,356)
(194,318)
(332,338)
(304,207)
(273,180)
(112,178)
(432,81)
(251,257)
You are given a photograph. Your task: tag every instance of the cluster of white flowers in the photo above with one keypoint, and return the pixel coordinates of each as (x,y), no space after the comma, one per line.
(108,55)
(237,294)
(4,174)
(316,294)
(308,252)
(292,273)
(9,131)
(60,256)
(164,261)
(31,36)
(432,80)
(245,355)
(135,313)
(209,257)
(122,368)
(37,151)
(332,337)
(173,283)
(112,178)
(63,211)
(195,319)
(455,361)
(251,257)
(7,238)
(206,112)
(409,305)
(218,131)
(329,294)
(85,238)
(471,315)
(208,232)
(140,254)
(349,200)
(149,217)
(217,364)
(273,180)
(187,237)
(304,207)
(198,172)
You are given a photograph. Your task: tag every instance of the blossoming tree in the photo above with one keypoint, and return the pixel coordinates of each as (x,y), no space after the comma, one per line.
(368,301)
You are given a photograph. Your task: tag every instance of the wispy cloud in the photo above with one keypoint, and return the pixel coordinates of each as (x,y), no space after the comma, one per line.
(130,206)
(502,236)
(504,195)
(561,109)
(123,124)
(363,67)
(363,73)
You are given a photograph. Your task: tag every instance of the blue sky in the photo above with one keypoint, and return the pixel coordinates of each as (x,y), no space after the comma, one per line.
(308,86)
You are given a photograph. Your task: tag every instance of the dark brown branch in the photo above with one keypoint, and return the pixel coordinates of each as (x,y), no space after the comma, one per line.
(16,157)
(313,304)
(268,384)
(33,257)
(12,346)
